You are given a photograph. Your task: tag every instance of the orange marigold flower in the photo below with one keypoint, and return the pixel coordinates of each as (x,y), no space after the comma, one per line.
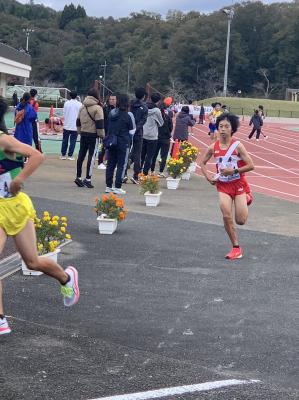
(105,197)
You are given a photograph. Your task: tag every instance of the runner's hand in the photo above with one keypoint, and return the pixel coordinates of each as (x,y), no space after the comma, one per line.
(15,186)
(227,171)
(212,181)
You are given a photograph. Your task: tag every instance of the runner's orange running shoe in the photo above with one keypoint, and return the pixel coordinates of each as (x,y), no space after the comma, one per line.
(235,253)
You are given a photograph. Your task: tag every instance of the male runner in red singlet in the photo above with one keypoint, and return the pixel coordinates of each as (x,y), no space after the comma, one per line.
(232,162)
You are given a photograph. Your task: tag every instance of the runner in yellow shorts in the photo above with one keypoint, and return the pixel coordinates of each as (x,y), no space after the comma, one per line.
(16,219)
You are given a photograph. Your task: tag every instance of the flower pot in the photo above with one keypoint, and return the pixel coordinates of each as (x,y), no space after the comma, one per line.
(186,175)
(152,199)
(53,256)
(107,226)
(192,167)
(172,183)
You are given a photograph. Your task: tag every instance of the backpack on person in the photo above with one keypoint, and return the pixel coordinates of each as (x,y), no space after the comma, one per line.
(19,116)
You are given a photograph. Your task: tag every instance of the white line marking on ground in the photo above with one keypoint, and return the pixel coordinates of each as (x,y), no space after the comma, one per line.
(178,390)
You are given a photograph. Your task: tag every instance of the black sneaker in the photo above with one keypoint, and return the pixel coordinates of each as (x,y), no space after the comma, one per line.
(125,179)
(88,184)
(79,182)
(135,181)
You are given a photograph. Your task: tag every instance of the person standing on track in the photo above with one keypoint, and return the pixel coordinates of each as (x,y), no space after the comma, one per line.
(232,161)
(257,122)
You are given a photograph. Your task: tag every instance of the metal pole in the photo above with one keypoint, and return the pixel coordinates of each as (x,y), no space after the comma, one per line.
(128,80)
(104,80)
(230,14)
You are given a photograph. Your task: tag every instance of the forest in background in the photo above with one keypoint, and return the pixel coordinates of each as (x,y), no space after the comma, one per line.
(182,54)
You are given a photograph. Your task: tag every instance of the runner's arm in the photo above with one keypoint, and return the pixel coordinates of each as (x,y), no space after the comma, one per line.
(35,158)
(203,164)
(245,157)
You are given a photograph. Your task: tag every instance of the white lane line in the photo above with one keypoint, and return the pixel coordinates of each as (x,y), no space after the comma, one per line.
(178,390)
(273,190)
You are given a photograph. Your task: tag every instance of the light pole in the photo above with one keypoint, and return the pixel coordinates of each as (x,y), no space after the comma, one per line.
(128,76)
(27,32)
(230,15)
(104,78)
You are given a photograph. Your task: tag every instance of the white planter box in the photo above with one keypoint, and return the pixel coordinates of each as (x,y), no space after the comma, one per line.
(152,199)
(172,183)
(186,176)
(53,256)
(192,167)
(107,226)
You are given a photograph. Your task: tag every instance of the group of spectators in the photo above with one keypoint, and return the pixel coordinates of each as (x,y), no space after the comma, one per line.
(125,134)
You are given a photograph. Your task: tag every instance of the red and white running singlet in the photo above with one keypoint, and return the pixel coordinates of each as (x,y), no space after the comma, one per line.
(234,161)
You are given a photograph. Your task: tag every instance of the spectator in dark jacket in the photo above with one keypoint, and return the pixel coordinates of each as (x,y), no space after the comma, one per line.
(23,131)
(109,106)
(140,112)
(121,126)
(163,144)
(183,121)
(257,122)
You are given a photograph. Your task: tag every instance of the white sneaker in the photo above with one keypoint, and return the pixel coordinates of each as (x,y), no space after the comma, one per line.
(71,158)
(256,140)
(102,166)
(70,290)
(161,175)
(62,157)
(119,191)
(4,327)
(108,189)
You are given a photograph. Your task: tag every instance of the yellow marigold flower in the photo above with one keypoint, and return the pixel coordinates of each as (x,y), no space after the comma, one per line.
(46,213)
(55,223)
(64,224)
(68,236)
(63,219)
(55,218)
(47,218)
(62,229)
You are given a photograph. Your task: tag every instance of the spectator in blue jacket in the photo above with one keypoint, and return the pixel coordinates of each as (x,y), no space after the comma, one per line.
(121,129)
(23,130)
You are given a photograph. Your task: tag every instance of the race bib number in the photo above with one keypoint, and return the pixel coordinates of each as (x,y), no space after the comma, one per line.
(228,178)
(5,180)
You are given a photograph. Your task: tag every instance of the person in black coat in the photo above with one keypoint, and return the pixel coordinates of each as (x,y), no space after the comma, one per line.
(257,122)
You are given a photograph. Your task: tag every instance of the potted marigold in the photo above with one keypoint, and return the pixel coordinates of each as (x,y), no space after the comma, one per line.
(110,209)
(189,153)
(175,168)
(51,233)
(150,188)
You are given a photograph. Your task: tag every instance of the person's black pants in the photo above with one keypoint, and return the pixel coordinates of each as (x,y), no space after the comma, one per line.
(35,136)
(135,155)
(68,136)
(117,158)
(90,145)
(258,132)
(147,154)
(163,147)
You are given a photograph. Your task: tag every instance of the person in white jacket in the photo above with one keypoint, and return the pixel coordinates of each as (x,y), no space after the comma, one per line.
(150,132)
(70,112)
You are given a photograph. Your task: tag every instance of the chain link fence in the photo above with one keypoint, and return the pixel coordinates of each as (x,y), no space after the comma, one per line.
(268,113)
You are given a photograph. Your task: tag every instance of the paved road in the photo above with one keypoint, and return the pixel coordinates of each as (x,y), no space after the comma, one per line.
(160,307)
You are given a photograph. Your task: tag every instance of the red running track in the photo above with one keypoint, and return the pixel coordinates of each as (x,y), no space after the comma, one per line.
(276,159)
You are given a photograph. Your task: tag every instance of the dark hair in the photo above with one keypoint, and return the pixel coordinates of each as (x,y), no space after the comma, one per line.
(33,92)
(217,102)
(140,93)
(256,111)
(47,120)
(261,108)
(155,98)
(3,107)
(73,94)
(185,109)
(122,102)
(213,105)
(94,93)
(231,118)
(189,101)
(26,97)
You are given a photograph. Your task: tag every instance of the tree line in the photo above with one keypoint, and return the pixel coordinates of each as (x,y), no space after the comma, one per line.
(182,54)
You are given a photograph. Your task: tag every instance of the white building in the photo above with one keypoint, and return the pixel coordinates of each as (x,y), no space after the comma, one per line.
(12,62)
